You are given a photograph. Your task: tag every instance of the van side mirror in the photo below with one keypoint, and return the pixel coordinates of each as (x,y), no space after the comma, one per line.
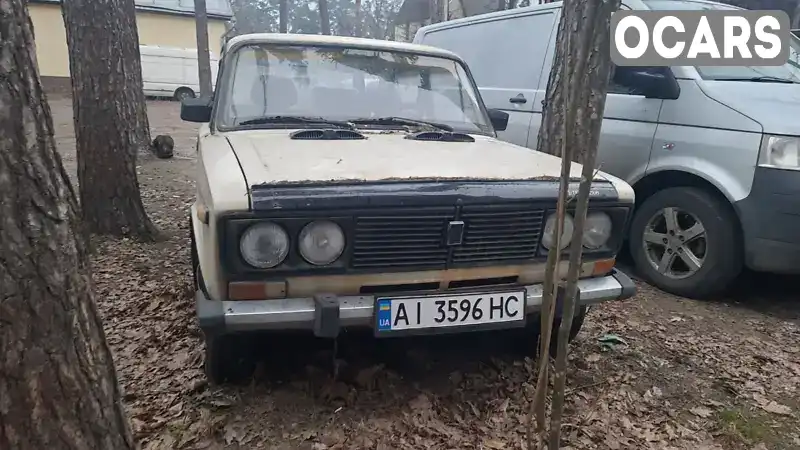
(196,110)
(652,82)
(499,119)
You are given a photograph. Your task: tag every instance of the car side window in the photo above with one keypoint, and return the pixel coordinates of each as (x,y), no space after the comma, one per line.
(515,45)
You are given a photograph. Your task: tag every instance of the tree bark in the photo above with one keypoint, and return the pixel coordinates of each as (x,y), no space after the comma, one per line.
(203,58)
(324,17)
(110,114)
(572,116)
(579,77)
(58,387)
(283,16)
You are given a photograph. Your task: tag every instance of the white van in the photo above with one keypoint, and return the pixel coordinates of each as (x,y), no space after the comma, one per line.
(712,152)
(172,72)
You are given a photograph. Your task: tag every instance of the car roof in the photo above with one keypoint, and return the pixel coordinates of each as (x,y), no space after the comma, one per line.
(343,41)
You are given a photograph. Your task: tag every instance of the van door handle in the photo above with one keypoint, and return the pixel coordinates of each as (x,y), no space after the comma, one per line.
(518,99)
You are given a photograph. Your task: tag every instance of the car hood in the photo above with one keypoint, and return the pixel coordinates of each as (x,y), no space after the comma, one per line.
(776,106)
(270,157)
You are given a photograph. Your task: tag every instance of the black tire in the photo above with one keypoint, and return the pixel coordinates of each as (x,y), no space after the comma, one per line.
(195,260)
(723,258)
(183,93)
(228,359)
(529,339)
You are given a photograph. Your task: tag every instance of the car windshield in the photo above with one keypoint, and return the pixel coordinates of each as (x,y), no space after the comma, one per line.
(268,84)
(789,72)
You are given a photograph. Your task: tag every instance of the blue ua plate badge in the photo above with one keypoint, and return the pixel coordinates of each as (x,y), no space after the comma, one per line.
(384,315)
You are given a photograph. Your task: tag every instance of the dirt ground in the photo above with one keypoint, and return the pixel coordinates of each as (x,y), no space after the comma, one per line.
(652,372)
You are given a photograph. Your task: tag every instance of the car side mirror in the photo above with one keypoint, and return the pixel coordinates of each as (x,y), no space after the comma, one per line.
(196,110)
(652,82)
(499,119)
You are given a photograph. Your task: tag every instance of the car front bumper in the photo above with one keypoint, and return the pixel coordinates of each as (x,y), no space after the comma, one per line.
(326,315)
(770,218)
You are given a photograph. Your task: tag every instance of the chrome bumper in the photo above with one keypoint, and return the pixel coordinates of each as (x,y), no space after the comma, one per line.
(357,310)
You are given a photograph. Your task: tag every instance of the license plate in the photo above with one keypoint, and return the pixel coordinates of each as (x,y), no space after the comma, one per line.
(489,310)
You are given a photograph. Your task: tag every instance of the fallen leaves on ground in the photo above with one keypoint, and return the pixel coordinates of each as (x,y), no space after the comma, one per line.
(652,372)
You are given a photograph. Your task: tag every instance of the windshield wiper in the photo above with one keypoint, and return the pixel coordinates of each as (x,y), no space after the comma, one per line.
(297,119)
(401,121)
(762,79)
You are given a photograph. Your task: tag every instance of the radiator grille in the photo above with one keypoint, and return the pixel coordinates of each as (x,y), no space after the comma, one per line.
(499,234)
(408,238)
(493,233)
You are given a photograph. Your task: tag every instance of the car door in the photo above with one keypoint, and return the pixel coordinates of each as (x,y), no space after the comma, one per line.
(626,135)
(505,55)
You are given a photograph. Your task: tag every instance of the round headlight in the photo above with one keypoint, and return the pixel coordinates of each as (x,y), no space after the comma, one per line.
(548,239)
(264,245)
(321,242)
(597,230)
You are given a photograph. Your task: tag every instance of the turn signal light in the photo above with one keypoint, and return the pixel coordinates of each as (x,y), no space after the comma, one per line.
(603,267)
(256,290)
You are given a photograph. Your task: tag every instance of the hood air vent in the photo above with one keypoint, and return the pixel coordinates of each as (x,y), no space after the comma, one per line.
(326,135)
(440,136)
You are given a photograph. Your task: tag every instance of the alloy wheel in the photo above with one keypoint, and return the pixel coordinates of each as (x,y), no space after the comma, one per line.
(675,243)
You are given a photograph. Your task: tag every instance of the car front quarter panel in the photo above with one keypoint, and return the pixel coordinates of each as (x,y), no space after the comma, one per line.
(221,189)
(625,193)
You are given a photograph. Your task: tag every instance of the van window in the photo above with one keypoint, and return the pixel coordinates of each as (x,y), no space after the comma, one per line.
(505,53)
(789,72)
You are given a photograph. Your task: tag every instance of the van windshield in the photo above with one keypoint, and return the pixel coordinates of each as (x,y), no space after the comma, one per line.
(789,72)
(342,84)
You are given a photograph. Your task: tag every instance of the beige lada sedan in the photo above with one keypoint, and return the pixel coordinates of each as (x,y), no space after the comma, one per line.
(354,183)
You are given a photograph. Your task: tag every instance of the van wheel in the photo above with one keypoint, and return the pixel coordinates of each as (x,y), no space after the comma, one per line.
(183,93)
(685,241)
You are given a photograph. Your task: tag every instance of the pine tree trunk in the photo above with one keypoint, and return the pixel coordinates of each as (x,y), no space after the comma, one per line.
(463,9)
(283,16)
(58,387)
(203,57)
(357,26)
(324,17)
(579,77)
(108,104)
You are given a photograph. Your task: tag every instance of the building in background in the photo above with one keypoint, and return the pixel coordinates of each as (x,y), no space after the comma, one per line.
(166,23)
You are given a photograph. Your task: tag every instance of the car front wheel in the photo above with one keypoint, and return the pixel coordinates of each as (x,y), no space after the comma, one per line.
(531,334)
(685,241)
(228,359)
